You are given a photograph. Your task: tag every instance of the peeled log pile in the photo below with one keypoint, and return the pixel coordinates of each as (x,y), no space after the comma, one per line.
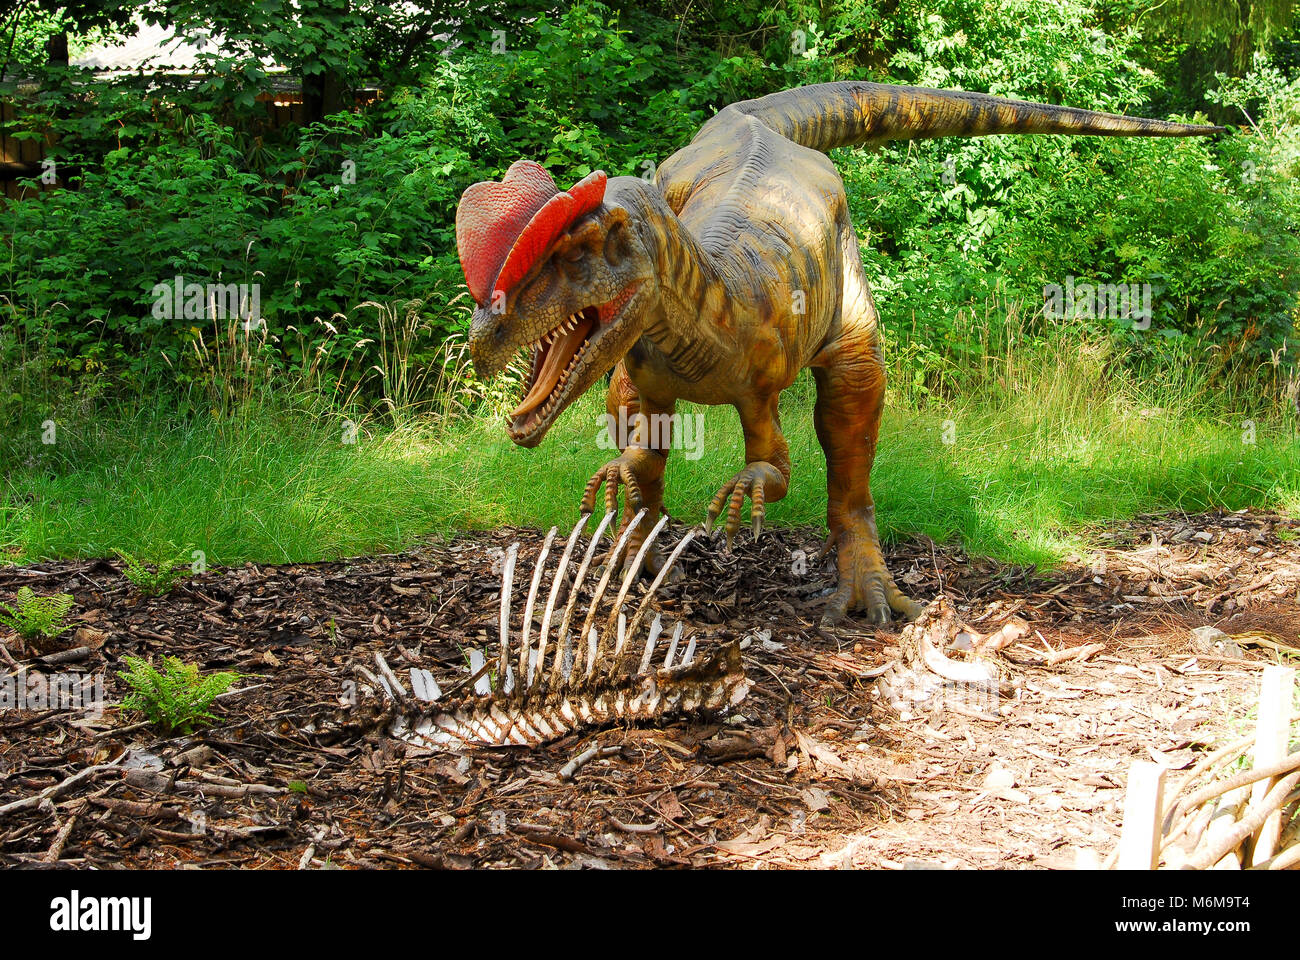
(1247,819)
(594,677)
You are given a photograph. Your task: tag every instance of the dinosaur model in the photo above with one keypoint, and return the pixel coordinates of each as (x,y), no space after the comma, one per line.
(717,283)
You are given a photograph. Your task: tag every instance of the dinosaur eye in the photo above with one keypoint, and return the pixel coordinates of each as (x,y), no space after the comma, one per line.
(570,264)
(616,248)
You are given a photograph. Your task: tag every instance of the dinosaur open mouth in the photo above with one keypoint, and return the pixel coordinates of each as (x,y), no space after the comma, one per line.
(559,360)
(554,357)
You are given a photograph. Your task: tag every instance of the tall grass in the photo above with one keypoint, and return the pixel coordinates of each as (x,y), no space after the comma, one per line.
(1021,449)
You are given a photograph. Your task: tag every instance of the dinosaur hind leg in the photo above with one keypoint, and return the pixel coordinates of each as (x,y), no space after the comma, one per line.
(643,447)
(850,397)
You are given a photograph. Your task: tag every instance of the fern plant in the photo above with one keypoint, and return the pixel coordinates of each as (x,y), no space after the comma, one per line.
(37,618)
(151,583)
(176,697)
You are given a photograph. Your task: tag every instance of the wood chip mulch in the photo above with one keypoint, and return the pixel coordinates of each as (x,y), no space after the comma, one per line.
(812,770)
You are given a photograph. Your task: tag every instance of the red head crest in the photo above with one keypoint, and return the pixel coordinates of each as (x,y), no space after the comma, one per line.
(502,228)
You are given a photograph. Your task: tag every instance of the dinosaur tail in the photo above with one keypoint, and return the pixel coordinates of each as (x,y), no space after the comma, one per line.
(830,115)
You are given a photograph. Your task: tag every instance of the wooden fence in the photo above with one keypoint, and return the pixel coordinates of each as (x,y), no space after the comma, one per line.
(1236,818)
(21,158)
(18,157)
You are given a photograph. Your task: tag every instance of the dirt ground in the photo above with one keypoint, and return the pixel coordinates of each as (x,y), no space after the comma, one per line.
(813,769)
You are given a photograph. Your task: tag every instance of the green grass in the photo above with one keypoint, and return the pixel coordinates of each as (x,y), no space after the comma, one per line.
(1047,449)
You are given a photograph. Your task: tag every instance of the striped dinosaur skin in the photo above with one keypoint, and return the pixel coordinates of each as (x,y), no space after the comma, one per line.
(735,270)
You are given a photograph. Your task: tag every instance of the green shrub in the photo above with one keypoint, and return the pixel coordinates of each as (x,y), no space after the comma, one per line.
(951,226)
(361,207)
(175,698)
(151,583)
(37,618)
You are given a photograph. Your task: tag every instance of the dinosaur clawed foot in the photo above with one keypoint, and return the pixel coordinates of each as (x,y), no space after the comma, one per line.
(865,584)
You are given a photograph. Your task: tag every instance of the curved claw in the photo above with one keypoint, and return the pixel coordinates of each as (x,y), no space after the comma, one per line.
(750,482)
(611,475)
(866,585)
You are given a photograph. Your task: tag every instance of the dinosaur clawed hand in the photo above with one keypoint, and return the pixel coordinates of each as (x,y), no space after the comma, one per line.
(757,481)
(640,473)
(865,583)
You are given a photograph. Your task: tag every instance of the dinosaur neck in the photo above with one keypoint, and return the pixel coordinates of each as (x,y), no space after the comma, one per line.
(693,310)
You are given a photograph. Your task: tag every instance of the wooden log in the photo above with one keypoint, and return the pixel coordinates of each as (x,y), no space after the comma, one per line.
(1139,841)
(1226,847)
(1272,734)
(1221,825)
(1197,804)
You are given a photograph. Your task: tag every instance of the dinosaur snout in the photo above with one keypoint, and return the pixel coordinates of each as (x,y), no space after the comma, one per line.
(489,343)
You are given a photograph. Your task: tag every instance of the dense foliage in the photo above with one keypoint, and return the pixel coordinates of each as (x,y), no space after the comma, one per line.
(173,176)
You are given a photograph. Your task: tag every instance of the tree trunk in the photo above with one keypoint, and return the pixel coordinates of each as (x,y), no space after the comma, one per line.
(56,48)
(323,94)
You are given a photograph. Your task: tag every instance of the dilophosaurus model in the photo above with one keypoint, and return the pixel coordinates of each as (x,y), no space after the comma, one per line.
(717,283)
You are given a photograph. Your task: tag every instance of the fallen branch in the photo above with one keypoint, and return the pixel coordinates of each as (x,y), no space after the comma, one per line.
(1080,653)
(53,854)
(35,800)
(581,760)
(136,808)
(1283,861)
(635,827)
(65,656)
(1188,809)
(548,838)
(1223,755)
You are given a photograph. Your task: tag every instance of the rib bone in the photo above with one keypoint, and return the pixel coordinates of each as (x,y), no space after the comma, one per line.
(525,667)
(578,580)
(555,592)
(618,684)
